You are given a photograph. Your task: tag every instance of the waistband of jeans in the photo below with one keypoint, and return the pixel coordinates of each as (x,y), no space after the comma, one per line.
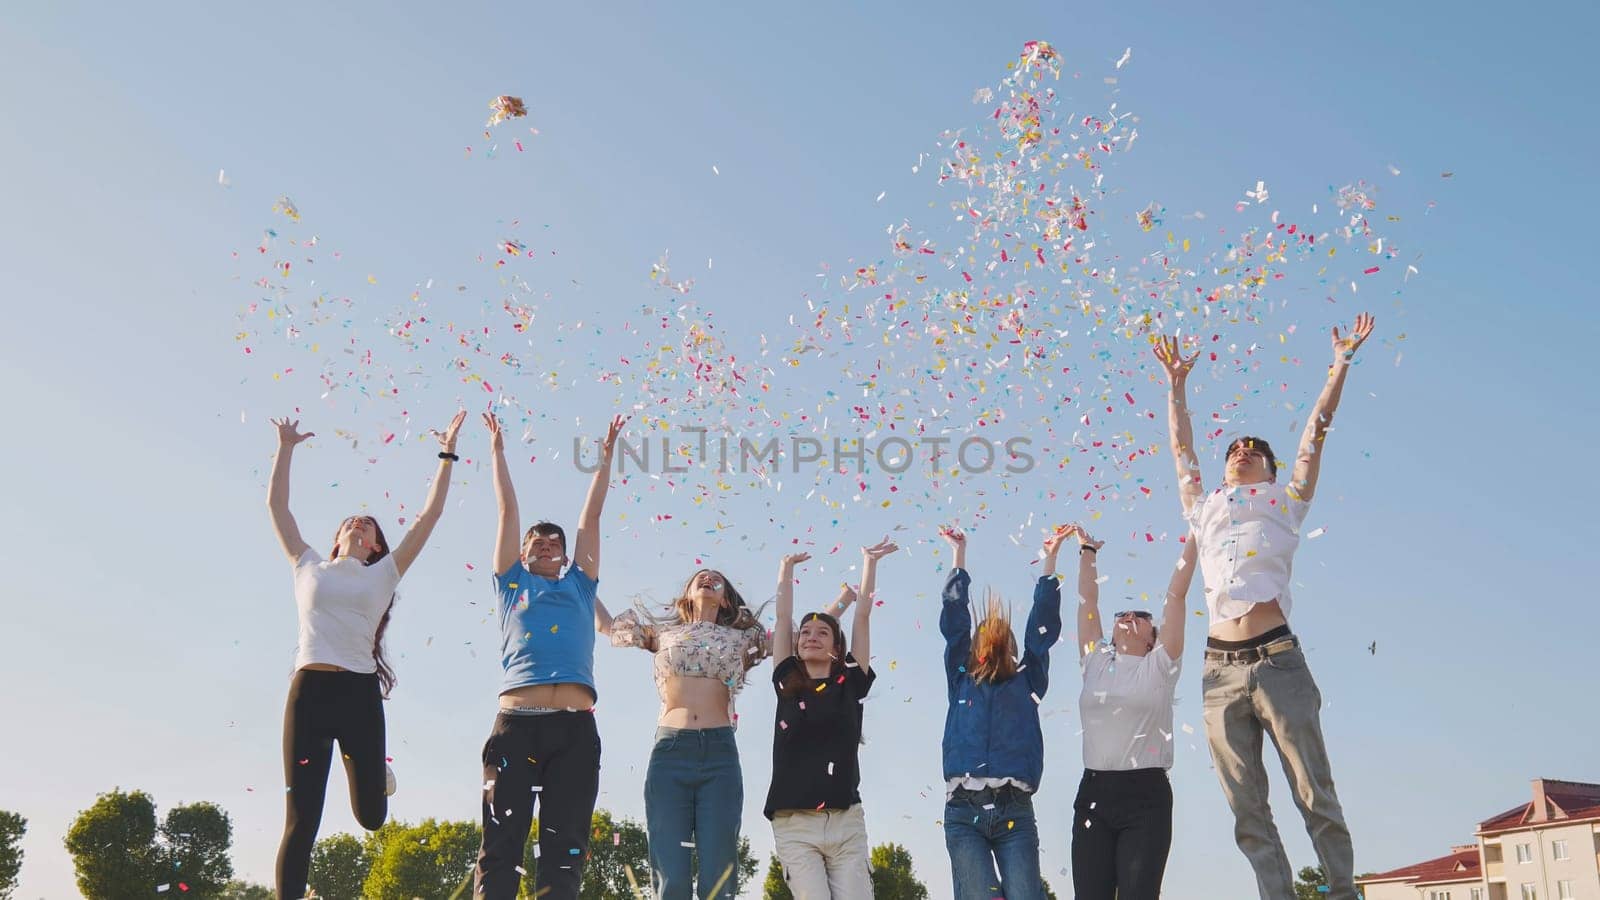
(1146,774)
(968,795)
(1254,654)
(666,731)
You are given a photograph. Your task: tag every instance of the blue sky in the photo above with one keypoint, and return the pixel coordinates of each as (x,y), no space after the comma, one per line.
(146,625)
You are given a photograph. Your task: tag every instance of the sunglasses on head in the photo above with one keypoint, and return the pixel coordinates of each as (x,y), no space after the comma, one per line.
(1136,613)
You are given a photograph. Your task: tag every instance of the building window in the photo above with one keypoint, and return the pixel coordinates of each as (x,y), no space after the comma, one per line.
(1558,850)
(1477,894)
(1438,895)
(1524,853)
(1564,889)
(1529,892)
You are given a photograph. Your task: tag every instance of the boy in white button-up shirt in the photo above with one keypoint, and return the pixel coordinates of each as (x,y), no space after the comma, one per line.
(1255,679)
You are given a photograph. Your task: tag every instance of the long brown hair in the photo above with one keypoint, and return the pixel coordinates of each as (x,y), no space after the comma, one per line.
(994,646)
(798,681)
(386,677)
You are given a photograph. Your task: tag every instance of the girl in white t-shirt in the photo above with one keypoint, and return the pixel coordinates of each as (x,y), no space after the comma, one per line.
(341,677)
(1122,817)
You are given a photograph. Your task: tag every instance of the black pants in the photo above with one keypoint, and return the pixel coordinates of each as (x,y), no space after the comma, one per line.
(558,753)
(1121,831)
(325,707)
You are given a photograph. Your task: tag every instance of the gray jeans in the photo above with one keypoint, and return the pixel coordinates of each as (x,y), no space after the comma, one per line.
(1275,695)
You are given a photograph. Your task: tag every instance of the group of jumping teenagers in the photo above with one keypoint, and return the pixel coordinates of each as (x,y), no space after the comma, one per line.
(544,747)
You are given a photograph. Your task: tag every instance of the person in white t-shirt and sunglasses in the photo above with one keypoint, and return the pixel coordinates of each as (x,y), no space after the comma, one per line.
(1255,678)
(1122,816)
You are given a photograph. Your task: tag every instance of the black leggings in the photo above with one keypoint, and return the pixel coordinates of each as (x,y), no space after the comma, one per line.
(1121,832)
(325,707)
(558,753)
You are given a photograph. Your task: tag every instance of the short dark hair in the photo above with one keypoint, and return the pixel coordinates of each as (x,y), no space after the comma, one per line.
(1256,443)
(548,529)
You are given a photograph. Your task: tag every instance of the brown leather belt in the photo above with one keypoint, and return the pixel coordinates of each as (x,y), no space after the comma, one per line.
(1254,654)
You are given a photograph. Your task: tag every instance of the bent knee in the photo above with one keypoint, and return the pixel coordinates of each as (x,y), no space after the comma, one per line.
(372,817)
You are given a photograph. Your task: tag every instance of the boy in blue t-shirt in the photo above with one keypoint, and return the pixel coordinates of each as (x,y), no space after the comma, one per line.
(544,746)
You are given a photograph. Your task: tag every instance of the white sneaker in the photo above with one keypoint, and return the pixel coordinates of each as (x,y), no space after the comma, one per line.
(388,780)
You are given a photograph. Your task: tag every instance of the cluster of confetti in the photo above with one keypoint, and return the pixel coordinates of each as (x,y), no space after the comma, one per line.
(1001,350)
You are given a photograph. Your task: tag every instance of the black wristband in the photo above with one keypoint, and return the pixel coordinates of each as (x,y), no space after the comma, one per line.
(1086,548)
(445,454)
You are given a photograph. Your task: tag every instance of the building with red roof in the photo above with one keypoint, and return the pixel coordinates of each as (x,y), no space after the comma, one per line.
(1545,849)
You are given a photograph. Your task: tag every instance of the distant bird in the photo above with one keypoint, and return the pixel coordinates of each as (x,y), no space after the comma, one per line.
(1373,648)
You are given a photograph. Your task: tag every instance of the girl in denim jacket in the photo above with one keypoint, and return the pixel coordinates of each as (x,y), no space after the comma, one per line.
(993,745)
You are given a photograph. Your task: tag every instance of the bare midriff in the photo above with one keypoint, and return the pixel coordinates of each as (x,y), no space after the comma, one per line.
(694,703)
(323,667)
(1262,618)
(549,696)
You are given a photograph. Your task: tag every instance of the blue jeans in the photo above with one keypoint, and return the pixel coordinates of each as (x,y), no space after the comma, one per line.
(694,794)
(990,829)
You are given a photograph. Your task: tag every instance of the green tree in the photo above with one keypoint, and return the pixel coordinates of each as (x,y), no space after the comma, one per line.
(616,848)
(193,853)
(746,863)
(893,877)
(776,887)
(430,859)
(339,867)
(12,828)
(113,847)
(244,890)
(119,852)
(1048,893)
(1307,882)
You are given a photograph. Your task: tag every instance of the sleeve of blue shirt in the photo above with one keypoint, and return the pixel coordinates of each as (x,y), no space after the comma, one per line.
(507,583)
(1044,629)
(586,585)
(955,623)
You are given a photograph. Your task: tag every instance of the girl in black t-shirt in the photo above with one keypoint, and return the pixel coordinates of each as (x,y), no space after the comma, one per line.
(814,803)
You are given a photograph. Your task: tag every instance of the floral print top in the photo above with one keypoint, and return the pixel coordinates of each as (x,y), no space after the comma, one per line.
(695,650)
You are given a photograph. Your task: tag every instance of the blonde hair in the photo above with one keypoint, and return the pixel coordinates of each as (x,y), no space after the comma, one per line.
(994,646)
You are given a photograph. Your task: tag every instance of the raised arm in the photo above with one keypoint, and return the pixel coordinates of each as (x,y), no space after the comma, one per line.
(957,539)
(283,522)
(507,545)
(422,527)
(847,596)
(1174,611)
(1042,632)
(783,631)
(586,548)
(861,629)
(1180,430)
(955,618)
(1308,461)
(1091,628)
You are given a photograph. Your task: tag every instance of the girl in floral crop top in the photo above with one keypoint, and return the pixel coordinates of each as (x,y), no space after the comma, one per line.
(694,788)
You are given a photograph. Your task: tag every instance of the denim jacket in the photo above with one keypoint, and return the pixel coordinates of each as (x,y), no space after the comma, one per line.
(992,728)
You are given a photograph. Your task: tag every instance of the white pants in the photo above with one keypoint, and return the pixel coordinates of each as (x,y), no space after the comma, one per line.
(824,853)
